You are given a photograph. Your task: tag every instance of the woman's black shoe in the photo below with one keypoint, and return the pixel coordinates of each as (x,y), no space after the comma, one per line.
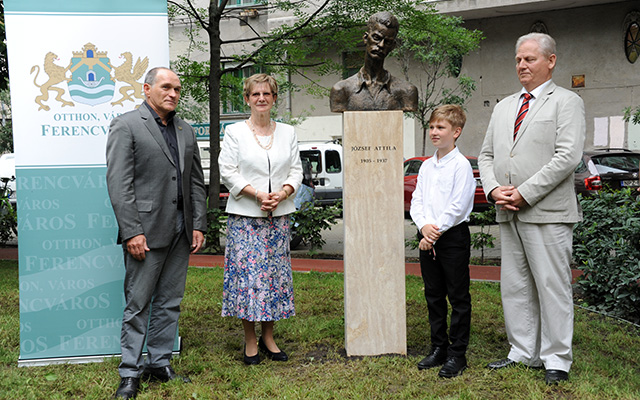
(253,360)
(281,356)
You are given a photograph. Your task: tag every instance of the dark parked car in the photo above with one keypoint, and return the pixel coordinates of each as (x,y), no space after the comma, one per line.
(411,168)
(612,168)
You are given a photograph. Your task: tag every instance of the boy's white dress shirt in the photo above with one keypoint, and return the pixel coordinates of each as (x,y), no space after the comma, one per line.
(444,191)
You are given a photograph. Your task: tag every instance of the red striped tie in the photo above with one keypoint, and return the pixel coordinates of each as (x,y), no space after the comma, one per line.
(522,113)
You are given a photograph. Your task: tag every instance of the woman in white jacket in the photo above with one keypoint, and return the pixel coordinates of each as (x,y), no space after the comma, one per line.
(260,165)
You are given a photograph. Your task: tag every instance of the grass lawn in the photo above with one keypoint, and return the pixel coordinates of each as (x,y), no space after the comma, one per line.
(606,353)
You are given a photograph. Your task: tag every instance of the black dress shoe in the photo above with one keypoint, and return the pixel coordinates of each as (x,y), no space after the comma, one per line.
(128,388)
(453,367)
(553,376)
(436,358)
(253,360)
(162,374)
(281,356)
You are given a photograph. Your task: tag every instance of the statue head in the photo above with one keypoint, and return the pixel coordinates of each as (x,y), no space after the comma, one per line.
(380,37)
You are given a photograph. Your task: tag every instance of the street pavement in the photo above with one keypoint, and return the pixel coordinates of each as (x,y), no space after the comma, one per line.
(334,246)
(329,258)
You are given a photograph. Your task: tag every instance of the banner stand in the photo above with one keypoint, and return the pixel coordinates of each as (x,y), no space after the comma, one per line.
(79,360)
(74,65)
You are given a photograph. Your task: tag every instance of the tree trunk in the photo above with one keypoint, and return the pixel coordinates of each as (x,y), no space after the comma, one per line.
(425,135)
(215,12)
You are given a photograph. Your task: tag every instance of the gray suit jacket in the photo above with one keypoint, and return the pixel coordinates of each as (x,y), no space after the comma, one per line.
(141,178)
(541,161)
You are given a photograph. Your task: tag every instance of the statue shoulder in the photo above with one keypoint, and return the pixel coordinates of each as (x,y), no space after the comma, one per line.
(340,93)
(345,84)
(407,92)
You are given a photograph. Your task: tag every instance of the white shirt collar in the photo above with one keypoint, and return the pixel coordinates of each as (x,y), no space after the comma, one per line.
(535,92)
(446,158)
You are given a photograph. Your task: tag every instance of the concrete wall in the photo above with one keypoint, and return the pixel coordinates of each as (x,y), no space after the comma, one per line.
(590,42)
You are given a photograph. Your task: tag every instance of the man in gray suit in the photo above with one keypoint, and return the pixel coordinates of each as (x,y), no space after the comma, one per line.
(533,144)
(156,187)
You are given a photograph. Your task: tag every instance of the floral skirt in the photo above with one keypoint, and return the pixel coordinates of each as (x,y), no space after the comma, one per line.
(258,285)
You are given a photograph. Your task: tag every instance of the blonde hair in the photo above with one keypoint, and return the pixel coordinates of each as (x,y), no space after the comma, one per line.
(452,113)
(256,79)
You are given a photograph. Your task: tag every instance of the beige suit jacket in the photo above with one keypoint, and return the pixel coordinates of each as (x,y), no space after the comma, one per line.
(541,161)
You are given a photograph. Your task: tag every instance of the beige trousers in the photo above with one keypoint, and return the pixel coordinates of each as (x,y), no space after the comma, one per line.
(537,297)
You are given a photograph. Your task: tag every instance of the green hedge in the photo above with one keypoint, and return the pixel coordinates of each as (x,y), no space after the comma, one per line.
(606,247)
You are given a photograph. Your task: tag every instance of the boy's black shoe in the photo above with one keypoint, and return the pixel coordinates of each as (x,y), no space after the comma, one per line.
(453,367)
(436,358)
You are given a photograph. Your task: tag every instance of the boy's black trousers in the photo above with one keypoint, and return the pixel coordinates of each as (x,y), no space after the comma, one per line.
(445,273)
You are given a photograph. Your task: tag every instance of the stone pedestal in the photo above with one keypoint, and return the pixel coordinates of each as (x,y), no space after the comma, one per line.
(374,263)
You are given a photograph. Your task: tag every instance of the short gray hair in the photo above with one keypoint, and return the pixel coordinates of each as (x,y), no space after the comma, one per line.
(546,43)
(150,78)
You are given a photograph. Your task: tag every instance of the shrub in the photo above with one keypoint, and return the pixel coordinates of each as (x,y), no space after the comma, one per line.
(8,221)
(217,225)
(311,220)
(481,240)
(606,247)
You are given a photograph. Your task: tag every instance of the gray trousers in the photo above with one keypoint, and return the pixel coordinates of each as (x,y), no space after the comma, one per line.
(153,290)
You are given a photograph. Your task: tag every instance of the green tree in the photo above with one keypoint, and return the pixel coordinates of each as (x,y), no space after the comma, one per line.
(632,115)
(6,130)
(4,67)
(437,44)
(207,81)
(319,29)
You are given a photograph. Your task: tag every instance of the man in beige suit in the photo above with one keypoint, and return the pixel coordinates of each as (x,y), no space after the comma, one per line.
(533,144)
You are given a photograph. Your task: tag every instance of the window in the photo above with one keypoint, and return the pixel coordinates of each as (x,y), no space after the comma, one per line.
(313,158)
(412,167)
(231,92)
(618,162)
(245,3)
(539,27)
(332,160)
(632,42)
(631,26)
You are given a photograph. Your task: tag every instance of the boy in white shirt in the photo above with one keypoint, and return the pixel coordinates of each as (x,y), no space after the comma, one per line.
(440,208)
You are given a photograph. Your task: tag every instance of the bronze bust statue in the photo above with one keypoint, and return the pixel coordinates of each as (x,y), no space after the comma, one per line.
(373,88)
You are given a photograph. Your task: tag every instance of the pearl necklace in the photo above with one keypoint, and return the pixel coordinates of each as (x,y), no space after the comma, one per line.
(272,127)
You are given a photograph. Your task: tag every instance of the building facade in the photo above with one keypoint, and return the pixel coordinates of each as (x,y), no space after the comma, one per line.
(594,38)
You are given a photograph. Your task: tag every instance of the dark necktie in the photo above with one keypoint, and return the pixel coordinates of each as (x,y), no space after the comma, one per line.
(522,113)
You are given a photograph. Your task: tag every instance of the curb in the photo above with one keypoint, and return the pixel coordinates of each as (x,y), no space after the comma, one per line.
(477,272)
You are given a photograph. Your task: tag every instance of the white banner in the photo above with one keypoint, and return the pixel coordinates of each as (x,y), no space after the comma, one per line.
(73,65)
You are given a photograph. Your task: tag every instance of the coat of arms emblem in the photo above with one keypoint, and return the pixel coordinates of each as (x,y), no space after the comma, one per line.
(91,81)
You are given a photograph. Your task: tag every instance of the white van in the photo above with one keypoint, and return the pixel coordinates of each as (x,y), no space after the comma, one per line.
(326,163)
(205,159)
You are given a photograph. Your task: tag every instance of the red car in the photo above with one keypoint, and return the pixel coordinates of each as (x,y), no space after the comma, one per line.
(411,168)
